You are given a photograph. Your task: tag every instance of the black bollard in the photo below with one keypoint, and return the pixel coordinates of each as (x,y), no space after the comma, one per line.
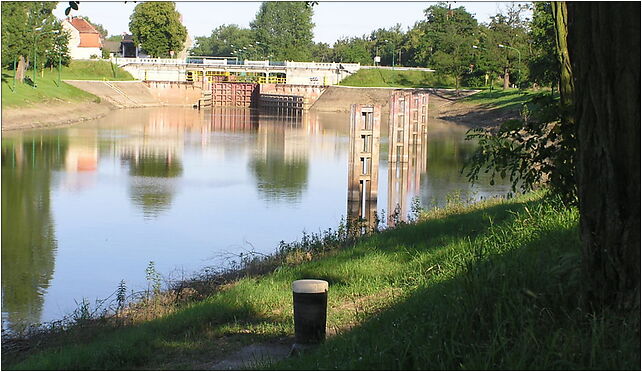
(310,310)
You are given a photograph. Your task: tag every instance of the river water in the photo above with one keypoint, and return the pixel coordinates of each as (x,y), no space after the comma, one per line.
(87,206)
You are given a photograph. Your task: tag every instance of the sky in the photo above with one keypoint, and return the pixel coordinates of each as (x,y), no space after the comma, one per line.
(333,19)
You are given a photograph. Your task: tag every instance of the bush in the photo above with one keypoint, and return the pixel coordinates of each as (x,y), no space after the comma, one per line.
(533,151)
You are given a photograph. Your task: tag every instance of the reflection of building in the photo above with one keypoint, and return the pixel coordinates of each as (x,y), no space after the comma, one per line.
(363,163)
(234,119)
(81,159)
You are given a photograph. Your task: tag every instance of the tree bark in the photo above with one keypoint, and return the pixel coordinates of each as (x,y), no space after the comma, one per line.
(20,69)
(566,85)
(506,78)
(604,50)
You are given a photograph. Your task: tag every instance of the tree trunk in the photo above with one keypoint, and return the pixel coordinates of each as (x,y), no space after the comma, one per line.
(604,48)
(20,70)
(566,85)
(506,78)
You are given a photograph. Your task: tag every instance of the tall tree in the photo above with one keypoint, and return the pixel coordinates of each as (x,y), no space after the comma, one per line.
(543,65)
(157,28)
(508,32)
(449,35)
(604,51)
(352,50)
(321,52)
(387,43)
(225,40)
(284,30)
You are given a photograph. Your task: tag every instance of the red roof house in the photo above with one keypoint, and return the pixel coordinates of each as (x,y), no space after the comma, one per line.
(84,40)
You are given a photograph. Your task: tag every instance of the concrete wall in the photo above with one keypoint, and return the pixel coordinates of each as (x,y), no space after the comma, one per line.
(305,76)
(120,94)
(174,93)
(159,72)
(310,93)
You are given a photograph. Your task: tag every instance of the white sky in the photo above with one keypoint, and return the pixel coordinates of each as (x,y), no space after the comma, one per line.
(332,19)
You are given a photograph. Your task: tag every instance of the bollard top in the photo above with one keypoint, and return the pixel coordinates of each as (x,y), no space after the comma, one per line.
(309,286)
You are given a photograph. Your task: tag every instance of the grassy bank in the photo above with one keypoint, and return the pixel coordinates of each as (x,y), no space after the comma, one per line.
(501,99)
(489,286)
(395,78)
(47,89)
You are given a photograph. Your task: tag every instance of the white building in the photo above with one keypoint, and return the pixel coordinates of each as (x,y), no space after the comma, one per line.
(84,40)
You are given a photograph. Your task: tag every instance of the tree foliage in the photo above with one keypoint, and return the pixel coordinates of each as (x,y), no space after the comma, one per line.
(543,65)
(352,50)
(29,27)
(448,34)
(156,27)
(534,151)
(226,40)
(283,30)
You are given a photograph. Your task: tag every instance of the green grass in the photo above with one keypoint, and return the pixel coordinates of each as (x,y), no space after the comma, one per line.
(490,286)
(94,70)
(47,89)
(502,98)
(400,79)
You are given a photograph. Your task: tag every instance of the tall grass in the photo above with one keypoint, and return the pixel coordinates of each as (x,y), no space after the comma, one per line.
(490,286)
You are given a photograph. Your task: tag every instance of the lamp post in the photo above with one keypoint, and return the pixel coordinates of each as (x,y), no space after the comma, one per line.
(519,56)
(491,80)
(14,75)
(34,56)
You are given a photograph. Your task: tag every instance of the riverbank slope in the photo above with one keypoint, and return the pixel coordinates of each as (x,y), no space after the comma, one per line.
(490,286)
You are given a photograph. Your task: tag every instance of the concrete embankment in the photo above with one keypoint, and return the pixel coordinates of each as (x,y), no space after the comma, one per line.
(113,95)
(52,114)
(444,103)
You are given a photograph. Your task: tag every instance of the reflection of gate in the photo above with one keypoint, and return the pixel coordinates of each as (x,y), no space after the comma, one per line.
(235,94)
(407,149)
(363,167)
(406,157)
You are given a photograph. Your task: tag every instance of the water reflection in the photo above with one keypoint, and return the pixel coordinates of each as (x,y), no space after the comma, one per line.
(363,165)
(407,148)
(28,234)
(280,161)
(177,186)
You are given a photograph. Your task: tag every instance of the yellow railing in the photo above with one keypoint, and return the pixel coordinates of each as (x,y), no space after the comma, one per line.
(196,75)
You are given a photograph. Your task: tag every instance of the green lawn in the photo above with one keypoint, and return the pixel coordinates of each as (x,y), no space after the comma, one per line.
(502,98)
(47,89)
(401,79)
(491,286)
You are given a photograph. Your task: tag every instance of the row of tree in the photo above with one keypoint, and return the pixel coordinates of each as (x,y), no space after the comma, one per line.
(281,31)
(450,40)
